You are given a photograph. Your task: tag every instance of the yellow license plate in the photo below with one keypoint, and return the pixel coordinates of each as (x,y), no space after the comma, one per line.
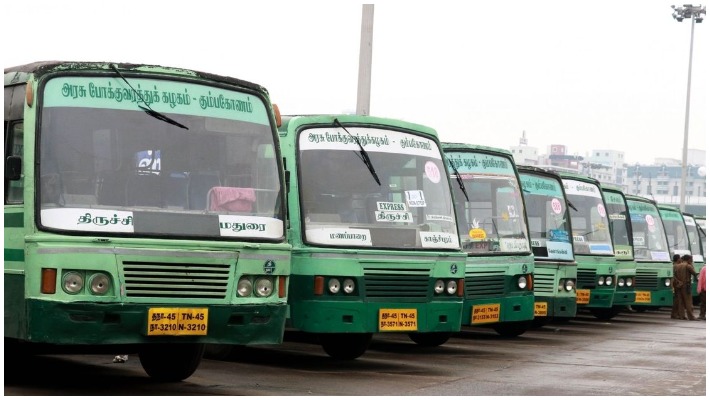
(485,313)
(643,297)
(177,321)
(398,319)
(583,296)
(540,308)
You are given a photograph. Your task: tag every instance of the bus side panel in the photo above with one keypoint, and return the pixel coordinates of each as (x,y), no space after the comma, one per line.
(14,287)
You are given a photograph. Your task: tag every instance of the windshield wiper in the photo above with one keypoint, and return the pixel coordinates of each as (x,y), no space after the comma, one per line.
(363,154)
(147,109)
(458,178)
(569,203)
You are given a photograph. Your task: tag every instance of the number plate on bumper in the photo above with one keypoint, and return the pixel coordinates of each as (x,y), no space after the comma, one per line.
(177,321)
(395,319)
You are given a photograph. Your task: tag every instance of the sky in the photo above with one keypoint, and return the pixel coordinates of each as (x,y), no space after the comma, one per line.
(590,74)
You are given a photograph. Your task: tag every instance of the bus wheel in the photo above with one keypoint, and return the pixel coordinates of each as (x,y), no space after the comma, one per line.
(218,351)
(512,329)
(605,313)
(171,362)
(539,322)
(345,346)
(431,339)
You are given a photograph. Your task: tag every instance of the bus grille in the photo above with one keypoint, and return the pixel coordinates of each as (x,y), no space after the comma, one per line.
(544,281)
(586,279)
(383,283)
(176,280)
(485,283)
(646,279)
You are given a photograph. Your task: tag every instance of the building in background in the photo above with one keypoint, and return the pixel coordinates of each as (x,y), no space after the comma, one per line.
(659,181)
(524,154)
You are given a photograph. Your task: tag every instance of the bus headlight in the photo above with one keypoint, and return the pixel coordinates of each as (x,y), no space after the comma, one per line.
(667,282)
(334,285)
(600,282)
(348,285)
(73,282)
(264,287)
(629,282)
(244,287)
(569,285)
(621,282)
(609,280)
(451,287)
(99,283)
(522,282)
(439,286)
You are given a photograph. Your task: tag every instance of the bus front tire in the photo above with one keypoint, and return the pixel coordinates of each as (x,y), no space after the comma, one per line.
(605,314)
(430,339)
(345,346)
(512,329)
(218,351)
(171,362)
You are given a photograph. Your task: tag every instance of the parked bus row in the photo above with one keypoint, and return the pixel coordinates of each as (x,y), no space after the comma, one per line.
(175,213)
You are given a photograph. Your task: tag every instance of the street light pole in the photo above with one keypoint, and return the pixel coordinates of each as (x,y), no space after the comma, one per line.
(364,77)
(695,13)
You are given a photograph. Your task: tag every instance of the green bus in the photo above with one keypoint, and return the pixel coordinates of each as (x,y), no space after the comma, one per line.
(621,237)
(373,230)
(593,248)
(654,269)
(695,237)
(144,213)
(676,231)
(555,275)
(494,233)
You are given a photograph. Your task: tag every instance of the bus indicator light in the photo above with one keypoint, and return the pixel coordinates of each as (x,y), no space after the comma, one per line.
(282,286)
(49,281)
(318,285)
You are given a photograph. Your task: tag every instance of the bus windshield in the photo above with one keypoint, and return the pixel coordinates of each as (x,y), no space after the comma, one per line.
(676,232)
(649,236)
(621,236)
(344,205)
(108,165)
(694,235)
(547,218)
(490,212)
(590,228)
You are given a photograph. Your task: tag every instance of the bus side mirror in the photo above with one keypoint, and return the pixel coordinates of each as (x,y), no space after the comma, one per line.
(13,168)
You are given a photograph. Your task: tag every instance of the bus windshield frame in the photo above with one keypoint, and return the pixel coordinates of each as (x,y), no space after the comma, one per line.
(590,224)
(491,211)
(343,205)
(649,235)
(109,166)
(548,217)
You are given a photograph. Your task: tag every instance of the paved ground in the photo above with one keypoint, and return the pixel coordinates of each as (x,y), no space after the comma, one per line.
(636,354)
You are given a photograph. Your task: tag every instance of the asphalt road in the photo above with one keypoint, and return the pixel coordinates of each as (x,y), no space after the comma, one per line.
(635,354)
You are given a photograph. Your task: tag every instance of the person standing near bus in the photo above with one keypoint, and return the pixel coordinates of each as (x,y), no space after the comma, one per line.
(682,272)
(675,310)
(701,292)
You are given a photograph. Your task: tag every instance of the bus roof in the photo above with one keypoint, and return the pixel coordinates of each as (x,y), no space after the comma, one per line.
(291,122)
(467,146)
(639,198)
(668,208)
(20,73)
(579,177)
